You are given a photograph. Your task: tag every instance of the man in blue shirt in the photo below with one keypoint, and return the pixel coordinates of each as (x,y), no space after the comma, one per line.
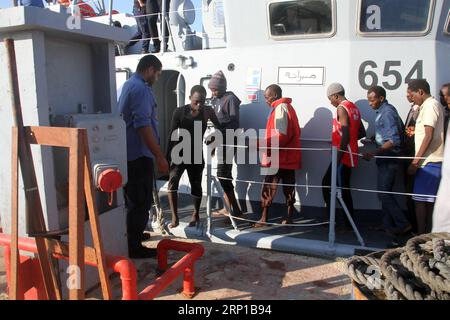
(138,108)
(388,138)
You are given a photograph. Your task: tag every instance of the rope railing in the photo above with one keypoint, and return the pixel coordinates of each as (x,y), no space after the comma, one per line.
(328,149)
(335,189)
(324,187)
(158,13)
(304,225)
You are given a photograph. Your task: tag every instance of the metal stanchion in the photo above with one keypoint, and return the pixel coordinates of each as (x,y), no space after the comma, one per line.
(332,231)
(164,26)
(208,191)
(111,3)
(222,194)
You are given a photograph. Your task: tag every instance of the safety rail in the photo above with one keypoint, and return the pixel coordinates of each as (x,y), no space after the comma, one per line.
(336,192)
(31,286)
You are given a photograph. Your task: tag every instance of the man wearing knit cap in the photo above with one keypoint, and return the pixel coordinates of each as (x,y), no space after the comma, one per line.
(226,105)
(347,130)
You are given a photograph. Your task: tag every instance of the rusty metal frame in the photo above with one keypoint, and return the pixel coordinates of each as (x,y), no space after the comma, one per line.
(81,188)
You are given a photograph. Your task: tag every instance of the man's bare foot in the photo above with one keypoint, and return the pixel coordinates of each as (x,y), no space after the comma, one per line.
(174,224)
(260,224)
(193,223)
(287,221)
(194,220)
(221,212)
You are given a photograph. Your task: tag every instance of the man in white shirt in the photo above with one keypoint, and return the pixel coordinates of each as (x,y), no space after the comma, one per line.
(441,215)
(429,145)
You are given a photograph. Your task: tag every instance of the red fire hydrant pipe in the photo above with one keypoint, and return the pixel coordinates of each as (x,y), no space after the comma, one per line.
(182,266)
(121,265)
(127,270)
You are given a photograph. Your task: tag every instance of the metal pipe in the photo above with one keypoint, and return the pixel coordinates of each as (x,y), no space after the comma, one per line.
(110,12)
(163,22)
(332,234)
(127,270)
(128,276)
(208,190)
(184,266)
(121,265)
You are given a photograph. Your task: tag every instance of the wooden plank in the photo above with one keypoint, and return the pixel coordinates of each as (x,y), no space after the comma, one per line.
(60,248)
(49,136)
(13,281)
(76,215)
(94,222)
(33,206)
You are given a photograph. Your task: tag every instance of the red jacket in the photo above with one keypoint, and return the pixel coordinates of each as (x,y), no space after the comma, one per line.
(354,115)
(283,125)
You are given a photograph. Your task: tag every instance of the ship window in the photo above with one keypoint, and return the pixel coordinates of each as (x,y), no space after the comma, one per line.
(395,17)
(301,18)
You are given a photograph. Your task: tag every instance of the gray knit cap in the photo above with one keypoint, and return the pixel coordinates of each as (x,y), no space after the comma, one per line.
(218,82)
(335,88)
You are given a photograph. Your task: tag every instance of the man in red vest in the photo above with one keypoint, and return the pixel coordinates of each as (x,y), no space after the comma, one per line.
(282,129)
(347,130)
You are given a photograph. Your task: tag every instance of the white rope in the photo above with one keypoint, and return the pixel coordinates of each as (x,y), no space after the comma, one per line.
(277,184)
(276,148)
(329,149)
(158,13)
(327,187)
(167,36)
(390,157)
(390,192)
(303,225)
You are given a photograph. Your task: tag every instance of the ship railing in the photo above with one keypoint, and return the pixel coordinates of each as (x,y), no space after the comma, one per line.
(166,30)
(336,192)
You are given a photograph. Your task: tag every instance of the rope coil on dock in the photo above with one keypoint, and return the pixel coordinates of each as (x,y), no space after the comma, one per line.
(418,271)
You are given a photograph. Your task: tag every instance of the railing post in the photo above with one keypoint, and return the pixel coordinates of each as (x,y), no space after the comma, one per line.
(332,234)
(110,12)
(164,27)
(208,190)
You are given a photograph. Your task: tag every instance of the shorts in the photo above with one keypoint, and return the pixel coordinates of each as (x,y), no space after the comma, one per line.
(426,184)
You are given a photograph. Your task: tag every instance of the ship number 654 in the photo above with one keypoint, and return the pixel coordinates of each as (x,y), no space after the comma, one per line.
(368,74)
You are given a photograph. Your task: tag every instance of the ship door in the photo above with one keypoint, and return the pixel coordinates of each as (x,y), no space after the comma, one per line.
(170,92)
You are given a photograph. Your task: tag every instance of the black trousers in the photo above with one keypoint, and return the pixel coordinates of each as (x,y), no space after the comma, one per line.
(138,199)
(141,33)
(224,168)
(195,173)
(154,7)
(344,175)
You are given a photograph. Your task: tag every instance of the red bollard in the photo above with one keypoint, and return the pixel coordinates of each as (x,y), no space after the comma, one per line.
(188,282)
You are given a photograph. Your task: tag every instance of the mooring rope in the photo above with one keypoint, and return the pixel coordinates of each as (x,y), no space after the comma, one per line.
(418,271)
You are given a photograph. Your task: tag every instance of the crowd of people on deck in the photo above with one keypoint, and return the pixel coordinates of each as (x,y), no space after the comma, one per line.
(416,147)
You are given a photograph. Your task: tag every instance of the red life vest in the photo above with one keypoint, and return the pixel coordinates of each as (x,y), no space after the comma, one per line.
(350,160)
(288,159)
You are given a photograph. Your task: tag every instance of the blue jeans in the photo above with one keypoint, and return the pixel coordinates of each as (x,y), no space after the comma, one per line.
(394,217)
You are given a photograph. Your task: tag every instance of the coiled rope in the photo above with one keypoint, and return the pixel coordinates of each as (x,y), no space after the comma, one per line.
(418,271)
